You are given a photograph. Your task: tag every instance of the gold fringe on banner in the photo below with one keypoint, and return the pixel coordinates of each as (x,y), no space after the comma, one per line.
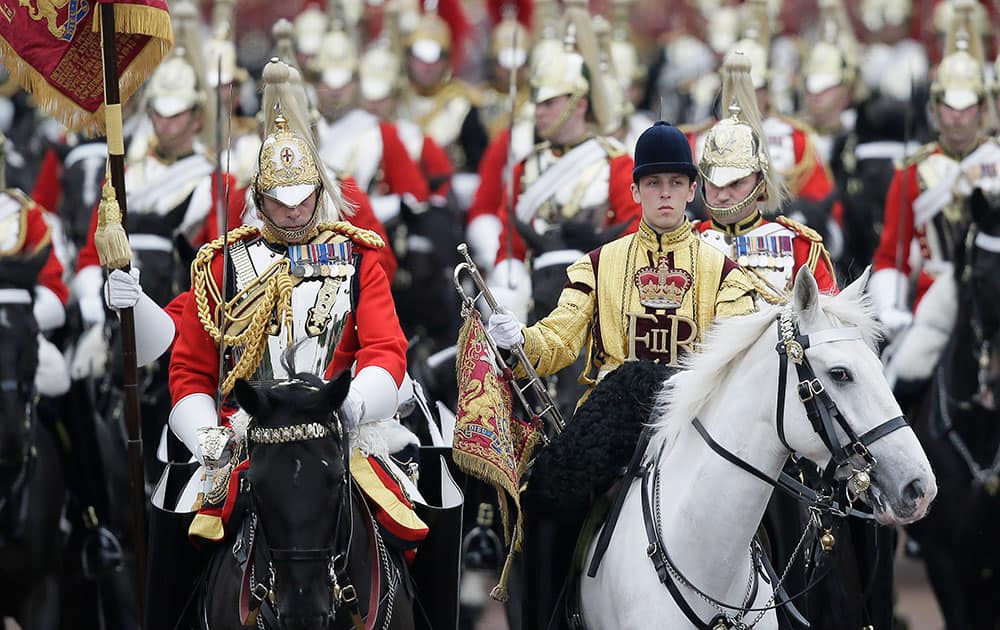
(138,19)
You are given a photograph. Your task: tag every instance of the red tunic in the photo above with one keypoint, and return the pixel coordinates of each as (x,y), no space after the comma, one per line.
(400,175)
(622,208)
(490,194)
(436,167)
(807,249)
(372,335)
(38,235)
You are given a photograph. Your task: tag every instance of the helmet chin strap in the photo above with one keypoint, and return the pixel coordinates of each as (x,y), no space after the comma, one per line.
(555,127)
(273,232)
(727,213)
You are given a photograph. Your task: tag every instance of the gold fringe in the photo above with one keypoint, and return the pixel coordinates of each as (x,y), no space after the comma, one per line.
(64,109)
(110,237)
(137,19)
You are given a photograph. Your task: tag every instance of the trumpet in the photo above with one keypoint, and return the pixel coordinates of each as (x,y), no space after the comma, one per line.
(543,410)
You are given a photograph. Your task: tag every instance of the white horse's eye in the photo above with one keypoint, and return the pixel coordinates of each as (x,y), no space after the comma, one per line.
(841,375)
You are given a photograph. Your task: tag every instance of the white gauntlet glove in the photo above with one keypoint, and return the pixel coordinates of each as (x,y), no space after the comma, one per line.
(191,413)
(373,396)
(122,290)
(505,329)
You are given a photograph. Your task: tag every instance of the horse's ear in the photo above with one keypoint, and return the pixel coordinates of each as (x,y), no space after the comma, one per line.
(248,398)
(856,290)
(805,296)
(336,390)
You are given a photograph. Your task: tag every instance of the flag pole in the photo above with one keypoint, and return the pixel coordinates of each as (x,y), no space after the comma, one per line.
(116,168)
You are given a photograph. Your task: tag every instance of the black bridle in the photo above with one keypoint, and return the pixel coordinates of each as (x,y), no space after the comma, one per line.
(335,555)
(825,417)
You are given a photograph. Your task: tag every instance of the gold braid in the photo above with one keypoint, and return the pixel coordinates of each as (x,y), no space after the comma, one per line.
(275,305)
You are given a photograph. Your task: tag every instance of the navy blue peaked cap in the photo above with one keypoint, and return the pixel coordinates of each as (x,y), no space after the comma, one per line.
(663,148)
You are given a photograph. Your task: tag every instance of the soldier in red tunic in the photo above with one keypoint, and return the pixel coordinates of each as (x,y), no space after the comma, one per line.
(925,219)
(740,182)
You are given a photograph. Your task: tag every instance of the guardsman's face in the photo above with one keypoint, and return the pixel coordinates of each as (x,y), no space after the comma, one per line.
(959,127)
(289,218)
(175,134)
(731,194)
(427,74)
(663,197)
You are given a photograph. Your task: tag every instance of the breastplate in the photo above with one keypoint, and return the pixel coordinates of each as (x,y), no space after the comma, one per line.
(582,198)
(11,225)
(320,303)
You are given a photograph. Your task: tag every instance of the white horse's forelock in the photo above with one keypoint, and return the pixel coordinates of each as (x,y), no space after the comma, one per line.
(725,347)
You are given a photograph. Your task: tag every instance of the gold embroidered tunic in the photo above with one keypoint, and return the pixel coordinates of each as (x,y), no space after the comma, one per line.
(645,296)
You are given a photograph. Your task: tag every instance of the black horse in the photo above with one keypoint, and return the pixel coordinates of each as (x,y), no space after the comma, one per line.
(957,424)
(313,559)
(31,481)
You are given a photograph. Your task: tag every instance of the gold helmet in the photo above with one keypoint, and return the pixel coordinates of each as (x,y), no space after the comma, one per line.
(879,14)
(289,168)
(756,40)
(174,87)
(310,25)
(735,146)
(559,73)
(959,82)
(723,28)
(945,15)
(431,39)
(283,33)
(833,60)
(220,51)
(336,61)
(510,43)
(380,71)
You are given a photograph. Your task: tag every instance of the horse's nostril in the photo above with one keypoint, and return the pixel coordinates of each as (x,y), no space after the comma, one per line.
(914,491)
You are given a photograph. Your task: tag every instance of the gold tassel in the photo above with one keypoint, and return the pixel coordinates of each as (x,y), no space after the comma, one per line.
(500,592)
(110,237)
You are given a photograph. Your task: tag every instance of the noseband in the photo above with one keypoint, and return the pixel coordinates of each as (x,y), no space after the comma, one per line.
(822,411)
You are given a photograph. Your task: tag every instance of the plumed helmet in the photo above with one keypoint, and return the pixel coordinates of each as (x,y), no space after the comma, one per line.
(510,43)
(663,148)
(959,81)
(309,25)
(879,14)
(723,28)
(379,70)
(336,61)
(218,50)
(289,168)
(559,73)
(174,87)
(431,39)
(834,59)
(735,146)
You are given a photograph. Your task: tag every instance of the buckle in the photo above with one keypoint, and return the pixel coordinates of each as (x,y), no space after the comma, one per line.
(810,389)
(260,591)
(348,594)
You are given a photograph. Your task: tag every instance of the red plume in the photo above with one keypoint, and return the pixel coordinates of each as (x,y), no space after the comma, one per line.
(524,11)
(451,12)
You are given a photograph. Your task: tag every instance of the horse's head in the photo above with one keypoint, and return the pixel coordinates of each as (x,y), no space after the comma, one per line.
(298,478)
(839,407)
(19,349)
(979,295)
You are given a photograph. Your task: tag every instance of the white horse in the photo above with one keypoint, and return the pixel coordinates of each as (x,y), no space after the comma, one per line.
(710,508)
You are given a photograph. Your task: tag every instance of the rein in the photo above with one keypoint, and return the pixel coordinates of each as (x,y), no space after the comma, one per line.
(824,416)
(343,592)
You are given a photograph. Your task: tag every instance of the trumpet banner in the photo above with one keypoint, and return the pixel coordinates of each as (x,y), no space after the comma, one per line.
(52,48)
(490,443)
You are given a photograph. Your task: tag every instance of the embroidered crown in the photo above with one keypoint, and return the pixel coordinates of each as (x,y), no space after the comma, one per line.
(662,287)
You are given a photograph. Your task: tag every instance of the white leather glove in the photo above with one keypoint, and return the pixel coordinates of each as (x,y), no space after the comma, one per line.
(505,329)
(52,375)
(86,286)
(193,412)
(895,321)
(122,290)
(373,396)
(91,356)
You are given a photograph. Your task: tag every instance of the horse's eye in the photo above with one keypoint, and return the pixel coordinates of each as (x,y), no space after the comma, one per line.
(841,375)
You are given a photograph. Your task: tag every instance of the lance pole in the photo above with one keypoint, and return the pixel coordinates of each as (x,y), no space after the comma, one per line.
(510,11)
(116,168)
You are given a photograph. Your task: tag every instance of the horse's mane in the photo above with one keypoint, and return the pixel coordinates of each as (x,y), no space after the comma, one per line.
(726,344)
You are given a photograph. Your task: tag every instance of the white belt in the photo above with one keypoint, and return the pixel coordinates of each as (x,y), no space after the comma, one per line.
(150,242)
(988,242)
(15,296)
(559,257)
(884,150)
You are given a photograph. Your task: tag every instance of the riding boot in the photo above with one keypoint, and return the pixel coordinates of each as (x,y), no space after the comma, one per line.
(173,564)
(547,556)
(101,551)
(436,568)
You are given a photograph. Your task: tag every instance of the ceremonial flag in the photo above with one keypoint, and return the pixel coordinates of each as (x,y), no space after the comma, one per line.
(490,443)
(53,49)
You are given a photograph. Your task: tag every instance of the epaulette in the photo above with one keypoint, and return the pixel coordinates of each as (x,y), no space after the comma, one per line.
(690,129)
(356,234)
(918,156)
(800,229)
(612,147)
(22,198)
